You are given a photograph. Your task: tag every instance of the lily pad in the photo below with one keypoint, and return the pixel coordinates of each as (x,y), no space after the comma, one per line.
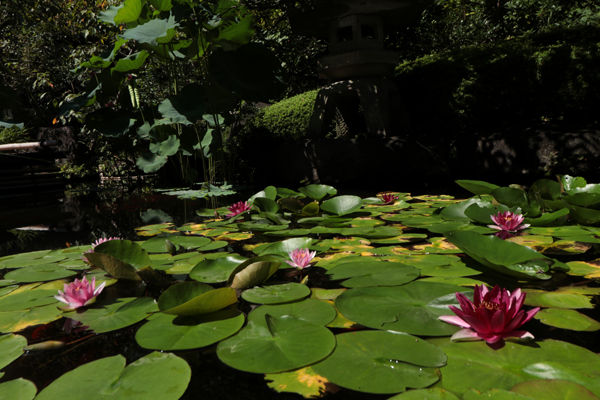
(276,345)
(567,319)
(382,362)
(193,298)
(17,389)
(553,389)
(413,308)
(217,270)
(253,272)
(110,315)
(304,381)
(311,310)
(342,205)
(31,295)
(11,348)
(476,365)
(157,376)
(172,332)
(39,273)
(373,273)
(538,298)
(317,192)
(275,294)
(17,320)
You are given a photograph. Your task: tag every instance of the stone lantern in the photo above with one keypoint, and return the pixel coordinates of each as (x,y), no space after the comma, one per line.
(357,61)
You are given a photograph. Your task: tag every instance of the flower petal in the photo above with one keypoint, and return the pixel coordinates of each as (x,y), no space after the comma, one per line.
(465,335)
(454,320)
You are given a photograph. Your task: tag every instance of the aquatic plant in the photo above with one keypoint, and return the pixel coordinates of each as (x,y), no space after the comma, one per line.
(238,208)
(301,258)
(492,315)
(79,293)
(508,221)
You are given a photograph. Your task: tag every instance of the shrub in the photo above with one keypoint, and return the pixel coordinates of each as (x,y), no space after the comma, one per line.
(14,134)
(550,77)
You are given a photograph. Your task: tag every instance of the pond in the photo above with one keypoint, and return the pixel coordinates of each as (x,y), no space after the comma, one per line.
(200,303)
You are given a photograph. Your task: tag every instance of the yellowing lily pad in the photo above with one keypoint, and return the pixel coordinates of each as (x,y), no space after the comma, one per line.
(304,381)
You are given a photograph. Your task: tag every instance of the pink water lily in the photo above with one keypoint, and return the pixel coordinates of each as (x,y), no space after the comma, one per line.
(508,221)
(492,316)
(388,198)
(79,293)
(238,208)
(301,258)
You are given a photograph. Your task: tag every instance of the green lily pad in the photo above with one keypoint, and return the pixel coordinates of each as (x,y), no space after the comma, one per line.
(39,273)
(172,332)
(159,376)
(476,365)
(158,244)
(456,212)
(276,345)
(18,389)
(275,294)
(567,319)
(537,298)
(17,320)
(217,270)
(31,295)
(413,308)
(110,315)
(429,394)
(193,298)
(477,187)
(342,205)
(11,348)
(553,389)
(494,394)
(311,310)
(253,272)
(126,251)
(382,362)
(373,273)
(317,192)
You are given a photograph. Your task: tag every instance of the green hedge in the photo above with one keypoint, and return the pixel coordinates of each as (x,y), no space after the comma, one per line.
(287,119)
(550,77)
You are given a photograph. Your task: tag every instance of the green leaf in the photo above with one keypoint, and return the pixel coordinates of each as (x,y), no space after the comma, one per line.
(477,187)
(456,212)
(39,273)
(187,107)
(557,299)
(413,308)
(266,205)
(111,315)
(285,247)
(109,122)
(172,332)
(17,389)
(161,5)
(373,273)
(130,63)
(382,362)
(342,205)
(275,294)
(151,31)
(311,310)
(276,345)
(11,348)
(150,162)
(476,365)
(161,376)
(494,394)
(32,295)
(18,320)
(130,12)
(567,319)
(193,298)
(553,389)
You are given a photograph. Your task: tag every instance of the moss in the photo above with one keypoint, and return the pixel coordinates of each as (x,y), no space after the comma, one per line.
(14,135)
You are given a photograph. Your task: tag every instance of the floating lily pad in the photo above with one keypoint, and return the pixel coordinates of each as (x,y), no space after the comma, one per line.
(556,299)
(11,348)
(317,192)
(217,270)
(373,273)
(110,315)
(311,310)
(342,205)
(275,294)
(39,273)
(567,319)
(253,272)
(18,389)
(413,308)
(382,362)
(172,332)
(553,389)
(15,321)
(428,394)
(31,295)
(157,376)
(276,345)
(494,394)
(193,298)
(304,381)
(285,247)
(476,365)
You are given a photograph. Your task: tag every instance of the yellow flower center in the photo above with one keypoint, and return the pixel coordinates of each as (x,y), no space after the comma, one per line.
(490,305)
